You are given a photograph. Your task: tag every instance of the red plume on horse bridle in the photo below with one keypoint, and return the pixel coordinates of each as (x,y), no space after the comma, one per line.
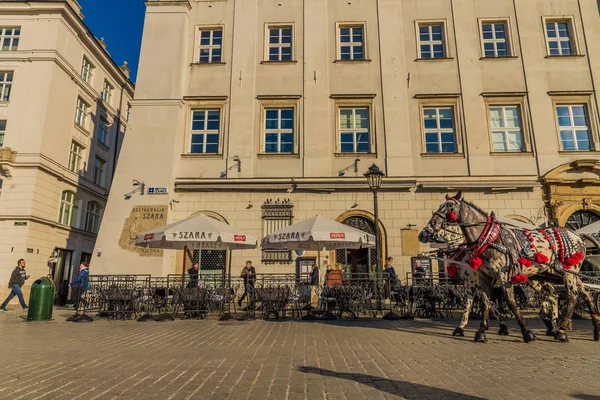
(451,216)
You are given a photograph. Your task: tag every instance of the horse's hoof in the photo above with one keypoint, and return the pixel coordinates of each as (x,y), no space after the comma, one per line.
(503,331)
(480,337)
(458,331)
(550,332)
(561,336)
(596,334)
(528,336)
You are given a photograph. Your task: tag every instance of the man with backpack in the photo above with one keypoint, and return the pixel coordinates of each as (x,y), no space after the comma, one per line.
(17,280)
(249,276)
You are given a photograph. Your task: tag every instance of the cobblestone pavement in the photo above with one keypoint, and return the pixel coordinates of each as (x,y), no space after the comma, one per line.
(372,359)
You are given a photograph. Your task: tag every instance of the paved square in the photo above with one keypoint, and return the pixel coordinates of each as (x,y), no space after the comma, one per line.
(372,359)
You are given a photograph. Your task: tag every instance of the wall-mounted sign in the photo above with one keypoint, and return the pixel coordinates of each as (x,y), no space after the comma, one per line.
(157,190)
(142,218)
(29,250)
(20,224)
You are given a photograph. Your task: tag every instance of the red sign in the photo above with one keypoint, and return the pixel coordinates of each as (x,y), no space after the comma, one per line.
(149,236)
(239,238)
(337,235)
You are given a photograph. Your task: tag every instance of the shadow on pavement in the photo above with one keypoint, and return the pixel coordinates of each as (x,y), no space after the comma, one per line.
(585,396)
(397,388)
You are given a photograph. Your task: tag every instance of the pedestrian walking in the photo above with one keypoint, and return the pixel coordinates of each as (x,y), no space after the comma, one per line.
(17,280)
(194,274)
(314,281)
(249,276)
(80,284)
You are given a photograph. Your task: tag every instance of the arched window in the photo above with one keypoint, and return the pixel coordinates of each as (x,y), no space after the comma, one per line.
(68,208)
(581,218)
(92,217)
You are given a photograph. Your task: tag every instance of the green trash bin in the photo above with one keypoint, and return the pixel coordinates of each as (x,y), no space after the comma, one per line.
(41,300)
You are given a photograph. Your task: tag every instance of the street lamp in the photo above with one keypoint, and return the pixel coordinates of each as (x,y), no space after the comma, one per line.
(374,176)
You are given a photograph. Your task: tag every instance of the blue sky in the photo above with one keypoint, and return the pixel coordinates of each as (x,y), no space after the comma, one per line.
(120,23)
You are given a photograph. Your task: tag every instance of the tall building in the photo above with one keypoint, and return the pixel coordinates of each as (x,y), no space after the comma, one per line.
(264,113)
(63,114)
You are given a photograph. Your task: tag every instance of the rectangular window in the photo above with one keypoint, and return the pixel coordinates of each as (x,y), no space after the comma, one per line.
(128,112)
(75,157)
(99,166)
(279,130)
(2,132)
(495,40)
(439,128)
(355,127)
(352,42)
(10,38)
(431,41)
(107,90)
(276,215)
(507,129)
(81,113)
(211,45)
(280,43)
(6,78)
(559,36)
(103,131)
(574,126)
(86,70)
(206,125)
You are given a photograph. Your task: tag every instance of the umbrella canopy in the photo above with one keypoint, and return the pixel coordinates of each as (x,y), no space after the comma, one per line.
(318,233)
(196,233)
(591,229)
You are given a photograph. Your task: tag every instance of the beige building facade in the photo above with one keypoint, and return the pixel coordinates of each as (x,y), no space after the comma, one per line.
(264,113)
(63,114)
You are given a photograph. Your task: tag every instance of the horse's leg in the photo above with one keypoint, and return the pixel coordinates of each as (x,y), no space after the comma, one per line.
(591,306)
(503,330)
(565,324)
(484,294)
(460,329)
(509,292)
(546,309)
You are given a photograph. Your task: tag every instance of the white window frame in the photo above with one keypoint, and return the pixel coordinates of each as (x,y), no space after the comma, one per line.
(211,46)
(505,129)
(107,91)
(87,69)
(11,38)
(81,113)
(3,124)
(431,43)
(354,130)
(102,127)
(573,128)
(205,131)
(279,131)
(440,131)
(93,217)
(6,80)
(68,210)
(98,177)
(75,157)
(507,37)
(351,44)
(573,41)
(280,45)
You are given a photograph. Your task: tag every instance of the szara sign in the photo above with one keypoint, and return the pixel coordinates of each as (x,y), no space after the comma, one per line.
(158,190)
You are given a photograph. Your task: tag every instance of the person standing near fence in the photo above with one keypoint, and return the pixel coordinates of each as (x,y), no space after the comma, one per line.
(80,284)
(17,280)
(314,281)
(249,276)
(193,273)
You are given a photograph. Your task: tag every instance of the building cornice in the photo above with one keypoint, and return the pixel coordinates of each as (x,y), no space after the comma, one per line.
(47,222)
(166,3)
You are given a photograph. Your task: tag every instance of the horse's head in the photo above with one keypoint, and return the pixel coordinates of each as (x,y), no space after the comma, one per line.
(449,211)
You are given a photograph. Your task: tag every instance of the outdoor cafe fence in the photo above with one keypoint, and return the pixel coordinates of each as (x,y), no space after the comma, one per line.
(274,296)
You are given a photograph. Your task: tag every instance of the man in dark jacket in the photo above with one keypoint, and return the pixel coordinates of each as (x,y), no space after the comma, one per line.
(17,279)
(80,285)
(249,276)
(193,273)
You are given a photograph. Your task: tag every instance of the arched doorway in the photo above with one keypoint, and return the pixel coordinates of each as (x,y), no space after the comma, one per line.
(212,263)
(581,218)
(358,261)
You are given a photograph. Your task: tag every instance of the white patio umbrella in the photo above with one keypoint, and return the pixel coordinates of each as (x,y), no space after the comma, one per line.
(196,233)
(591,229)
(318,233)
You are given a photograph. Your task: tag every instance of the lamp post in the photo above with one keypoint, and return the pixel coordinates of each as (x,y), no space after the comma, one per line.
(374,176)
